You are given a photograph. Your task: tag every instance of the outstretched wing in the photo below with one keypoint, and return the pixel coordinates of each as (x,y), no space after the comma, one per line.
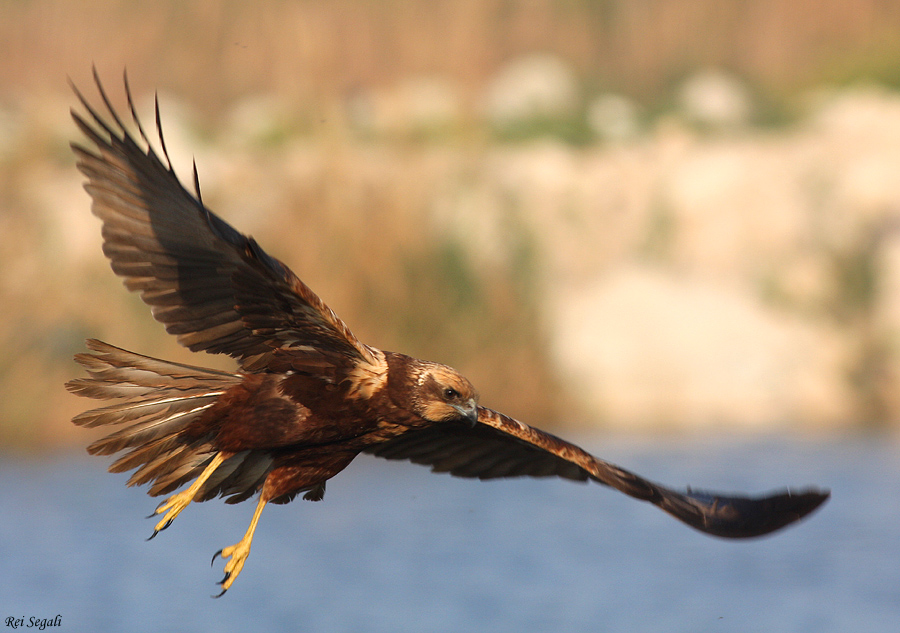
(499,446)
(212,287)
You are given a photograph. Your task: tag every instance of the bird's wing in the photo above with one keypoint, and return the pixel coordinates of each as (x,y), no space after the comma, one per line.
(499,446)
(212,287)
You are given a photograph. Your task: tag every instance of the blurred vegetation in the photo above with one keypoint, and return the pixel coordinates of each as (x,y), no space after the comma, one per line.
(341,195)
(216,51)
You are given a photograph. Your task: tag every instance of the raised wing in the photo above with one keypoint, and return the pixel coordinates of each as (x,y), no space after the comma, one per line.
(499,446)
(212,287)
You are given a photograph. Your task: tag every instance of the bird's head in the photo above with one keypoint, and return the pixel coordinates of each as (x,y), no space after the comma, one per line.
(442,394)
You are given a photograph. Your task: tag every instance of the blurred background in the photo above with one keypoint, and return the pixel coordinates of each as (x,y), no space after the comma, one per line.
(629,215)
(619,218)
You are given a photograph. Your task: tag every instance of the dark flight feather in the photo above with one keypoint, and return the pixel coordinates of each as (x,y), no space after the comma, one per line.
(211,286)
(503,447)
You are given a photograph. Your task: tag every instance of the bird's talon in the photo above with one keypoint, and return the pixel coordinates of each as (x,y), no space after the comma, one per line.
(159,528)
(215,556)
(159,508)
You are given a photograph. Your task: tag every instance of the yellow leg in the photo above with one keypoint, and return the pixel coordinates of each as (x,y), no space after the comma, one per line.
(239,551)
(178,502)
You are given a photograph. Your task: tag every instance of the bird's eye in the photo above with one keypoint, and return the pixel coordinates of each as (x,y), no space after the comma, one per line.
(450,393)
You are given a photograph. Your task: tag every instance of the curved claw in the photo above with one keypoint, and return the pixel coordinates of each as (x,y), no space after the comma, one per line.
(158,530)
(213,561)
(156,510)
(224,578)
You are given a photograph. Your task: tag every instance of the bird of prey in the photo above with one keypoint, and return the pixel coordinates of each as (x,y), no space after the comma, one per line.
(307,396)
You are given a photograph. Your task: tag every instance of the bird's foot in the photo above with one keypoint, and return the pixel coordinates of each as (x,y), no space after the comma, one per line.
(178,502)
(238,553)
(172,508)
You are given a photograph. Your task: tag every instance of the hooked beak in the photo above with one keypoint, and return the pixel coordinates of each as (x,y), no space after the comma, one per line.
(469,411)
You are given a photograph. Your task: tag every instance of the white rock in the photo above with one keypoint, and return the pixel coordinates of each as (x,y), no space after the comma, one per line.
(868,112)
(642,348)
(533,86)
(715,98)
(613,117)
(255,120)
(416,104)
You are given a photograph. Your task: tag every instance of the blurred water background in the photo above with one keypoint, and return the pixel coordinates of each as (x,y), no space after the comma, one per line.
(668,227)
(396,548)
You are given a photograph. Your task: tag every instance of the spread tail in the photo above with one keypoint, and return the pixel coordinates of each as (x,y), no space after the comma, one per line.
(156,401)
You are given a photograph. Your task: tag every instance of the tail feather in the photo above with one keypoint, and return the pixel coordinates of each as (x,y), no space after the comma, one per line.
(164,424)
(143,454)
(156,401)
(248,475)
(223,472)
(172,473)
(238,478)
(143,409)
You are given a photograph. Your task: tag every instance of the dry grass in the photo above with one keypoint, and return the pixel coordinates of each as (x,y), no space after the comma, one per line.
(315,52)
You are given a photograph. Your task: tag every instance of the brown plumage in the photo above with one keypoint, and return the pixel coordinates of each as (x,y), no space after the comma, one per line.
(308,396)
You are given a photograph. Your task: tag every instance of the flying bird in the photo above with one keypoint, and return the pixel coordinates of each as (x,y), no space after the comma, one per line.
(307,396)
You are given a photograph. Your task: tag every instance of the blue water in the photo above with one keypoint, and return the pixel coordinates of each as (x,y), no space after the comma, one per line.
(395,548)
